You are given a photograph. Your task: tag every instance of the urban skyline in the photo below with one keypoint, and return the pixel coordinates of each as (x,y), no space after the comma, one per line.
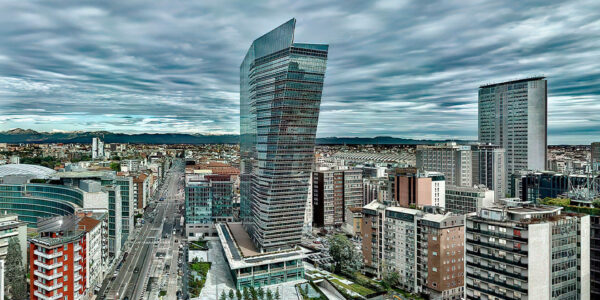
(152,70)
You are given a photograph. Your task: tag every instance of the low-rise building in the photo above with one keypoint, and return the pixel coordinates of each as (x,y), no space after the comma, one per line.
(12,228)
(463,200)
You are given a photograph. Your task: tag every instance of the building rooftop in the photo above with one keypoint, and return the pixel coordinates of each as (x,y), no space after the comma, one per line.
(85,174)
(34,171)
(513,81)
(237,245)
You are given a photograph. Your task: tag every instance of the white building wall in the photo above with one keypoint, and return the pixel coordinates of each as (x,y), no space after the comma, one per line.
(585,258)
(539,271)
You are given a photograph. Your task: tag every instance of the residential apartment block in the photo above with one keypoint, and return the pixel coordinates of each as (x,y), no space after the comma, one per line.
(489,168)
(410,187)
(454,161)
(332,193)
(522,251)
(463,200)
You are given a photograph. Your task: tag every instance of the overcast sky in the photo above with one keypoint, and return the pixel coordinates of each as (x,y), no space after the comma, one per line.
(397,68)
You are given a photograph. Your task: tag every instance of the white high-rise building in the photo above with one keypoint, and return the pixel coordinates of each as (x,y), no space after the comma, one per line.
(489,168)
(513,115)
(97,148)
(527,252)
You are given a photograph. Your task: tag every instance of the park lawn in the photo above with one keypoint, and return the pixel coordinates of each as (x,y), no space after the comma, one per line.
(357,288)
(200,267)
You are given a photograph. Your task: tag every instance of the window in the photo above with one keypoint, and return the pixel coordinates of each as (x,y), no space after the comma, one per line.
(434,253)
(434,269)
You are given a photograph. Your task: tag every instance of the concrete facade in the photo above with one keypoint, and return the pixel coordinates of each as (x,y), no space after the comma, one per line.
(453,160)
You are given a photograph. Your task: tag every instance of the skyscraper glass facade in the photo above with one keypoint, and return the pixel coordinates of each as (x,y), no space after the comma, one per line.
(280,94)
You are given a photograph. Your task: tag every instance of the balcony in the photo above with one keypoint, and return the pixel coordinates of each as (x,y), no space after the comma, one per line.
(77,247)
(78,287)
(41,296)
(77,257)
(48,256)
(48,267)
(48,287)
(47,277)
(77,277)
(77,267)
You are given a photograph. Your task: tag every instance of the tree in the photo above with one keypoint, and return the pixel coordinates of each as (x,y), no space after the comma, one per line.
(223,297)
(269,294)
(345,257)
(231,295)
(391,279)
(260,293)
(277,295)
(238,294)
(246,294)
(306,290)
(253,293)
(16,282)
(115,166)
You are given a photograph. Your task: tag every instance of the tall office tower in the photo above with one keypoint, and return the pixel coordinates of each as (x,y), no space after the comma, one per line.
(596,156)
(410,187)
(333,192)
(595,256)
(280,94)
(489,168)
(513,115)
(128,204)
(449,158)
(97,148)
(523,251)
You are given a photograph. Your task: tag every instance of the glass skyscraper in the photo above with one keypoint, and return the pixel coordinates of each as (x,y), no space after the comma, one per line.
(280,94)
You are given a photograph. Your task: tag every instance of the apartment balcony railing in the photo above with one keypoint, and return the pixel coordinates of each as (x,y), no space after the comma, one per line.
(43,297)
(47,277)
(48,255)
(48,287)
(46,266)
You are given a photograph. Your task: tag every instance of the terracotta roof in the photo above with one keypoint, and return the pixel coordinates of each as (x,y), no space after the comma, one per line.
(87,223)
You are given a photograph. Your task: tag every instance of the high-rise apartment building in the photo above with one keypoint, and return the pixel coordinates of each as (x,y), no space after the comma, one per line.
(424,247)
(280,93)
(489,168)
(595,155)
(453,160)
(410,187)
(595,256)
(97,148)
(333,192)
(12,228)
(513,115)
(57,259)
(527,252)
(464,199)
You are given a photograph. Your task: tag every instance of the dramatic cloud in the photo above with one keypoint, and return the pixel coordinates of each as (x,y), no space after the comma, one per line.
(399,68)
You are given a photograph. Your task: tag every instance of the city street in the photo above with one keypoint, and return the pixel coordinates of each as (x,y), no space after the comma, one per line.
(132,277)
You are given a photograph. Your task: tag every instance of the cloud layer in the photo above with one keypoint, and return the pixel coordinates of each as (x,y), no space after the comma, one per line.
(400,68)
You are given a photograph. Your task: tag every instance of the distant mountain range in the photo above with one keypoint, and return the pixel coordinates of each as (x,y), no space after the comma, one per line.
(15,136)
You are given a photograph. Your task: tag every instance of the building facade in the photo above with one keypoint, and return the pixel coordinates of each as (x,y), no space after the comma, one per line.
(332,193)
(57,259)
(514,116)
(489,168)
(527,252)
(453,160)
(280,91)
(463,200)
(208,200)
(12,228)
(426,249)
(531,186)
(97,148)
(410,187)
(595,155)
